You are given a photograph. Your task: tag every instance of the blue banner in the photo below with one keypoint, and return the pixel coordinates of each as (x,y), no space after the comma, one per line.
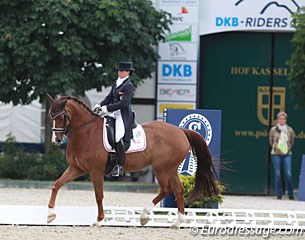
(301,192)
(207,123)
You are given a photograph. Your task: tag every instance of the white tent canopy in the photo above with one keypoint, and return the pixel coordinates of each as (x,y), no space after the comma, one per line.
(23,121)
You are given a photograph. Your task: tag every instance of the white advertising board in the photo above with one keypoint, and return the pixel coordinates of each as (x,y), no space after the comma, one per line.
(173,92)
(182,33)
(177,72)
(247,15)
(178,2)
(178,51)
(182,14)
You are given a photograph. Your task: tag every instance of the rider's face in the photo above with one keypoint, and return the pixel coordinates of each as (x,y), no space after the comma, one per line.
(123,74)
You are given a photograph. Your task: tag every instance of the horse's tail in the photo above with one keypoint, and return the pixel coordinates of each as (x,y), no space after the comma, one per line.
(206,181)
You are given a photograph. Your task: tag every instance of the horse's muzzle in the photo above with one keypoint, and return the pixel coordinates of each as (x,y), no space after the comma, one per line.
(57,142)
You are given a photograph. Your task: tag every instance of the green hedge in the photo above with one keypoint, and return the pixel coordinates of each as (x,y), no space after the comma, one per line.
(17,164)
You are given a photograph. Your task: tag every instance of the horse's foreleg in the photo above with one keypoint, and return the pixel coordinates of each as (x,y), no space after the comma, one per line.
(70,174)
(178,192)
(98,184)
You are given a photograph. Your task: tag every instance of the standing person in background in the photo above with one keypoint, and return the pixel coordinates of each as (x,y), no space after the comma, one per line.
(281,140)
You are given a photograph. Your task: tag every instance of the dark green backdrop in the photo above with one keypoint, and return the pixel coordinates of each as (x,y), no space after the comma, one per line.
(234,72)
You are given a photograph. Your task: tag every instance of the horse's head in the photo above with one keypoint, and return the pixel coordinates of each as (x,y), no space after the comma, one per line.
(59,118)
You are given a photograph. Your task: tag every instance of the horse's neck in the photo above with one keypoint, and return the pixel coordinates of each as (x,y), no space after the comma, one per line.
(79,115)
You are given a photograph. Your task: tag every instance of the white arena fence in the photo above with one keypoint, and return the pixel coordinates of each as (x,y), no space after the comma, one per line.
(159,217)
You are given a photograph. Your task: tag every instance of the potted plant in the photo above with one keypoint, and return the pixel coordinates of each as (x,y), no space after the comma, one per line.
(188,185)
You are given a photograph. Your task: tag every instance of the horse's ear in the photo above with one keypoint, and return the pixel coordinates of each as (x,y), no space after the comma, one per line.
(62,104)
(50,99)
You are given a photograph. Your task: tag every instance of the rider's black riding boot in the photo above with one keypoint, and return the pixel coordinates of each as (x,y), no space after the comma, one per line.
(120,155)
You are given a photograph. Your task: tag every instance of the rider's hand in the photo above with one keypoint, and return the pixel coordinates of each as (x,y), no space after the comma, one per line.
(96,108)
(104,111)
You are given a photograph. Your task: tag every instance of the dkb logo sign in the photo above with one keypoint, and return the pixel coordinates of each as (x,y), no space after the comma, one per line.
(176,70)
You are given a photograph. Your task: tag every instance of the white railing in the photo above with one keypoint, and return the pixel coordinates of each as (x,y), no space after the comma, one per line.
(159,217)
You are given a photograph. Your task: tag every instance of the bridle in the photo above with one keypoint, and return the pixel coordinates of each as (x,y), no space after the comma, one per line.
(65,130)
(53,116)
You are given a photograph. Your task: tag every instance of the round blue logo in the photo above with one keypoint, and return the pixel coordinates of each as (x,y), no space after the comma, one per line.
(198,123)
(201,125)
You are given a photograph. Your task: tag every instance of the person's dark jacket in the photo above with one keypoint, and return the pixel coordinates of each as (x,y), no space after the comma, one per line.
(119,98)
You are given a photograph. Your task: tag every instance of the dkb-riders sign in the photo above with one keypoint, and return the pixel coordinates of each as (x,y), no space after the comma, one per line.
(245,15)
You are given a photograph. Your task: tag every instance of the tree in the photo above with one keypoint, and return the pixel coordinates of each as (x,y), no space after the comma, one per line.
(296,75)
(58,45)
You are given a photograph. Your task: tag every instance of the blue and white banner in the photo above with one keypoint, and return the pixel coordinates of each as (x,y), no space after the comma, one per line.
(207,123)
(247,15)
(177,72)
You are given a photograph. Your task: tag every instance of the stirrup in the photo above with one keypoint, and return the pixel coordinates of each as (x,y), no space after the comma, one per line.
(117,171)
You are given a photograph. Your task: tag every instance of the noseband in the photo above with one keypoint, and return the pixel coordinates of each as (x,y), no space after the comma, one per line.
(65,129)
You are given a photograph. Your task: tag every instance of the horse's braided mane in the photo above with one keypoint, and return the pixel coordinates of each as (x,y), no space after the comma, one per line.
(79,102)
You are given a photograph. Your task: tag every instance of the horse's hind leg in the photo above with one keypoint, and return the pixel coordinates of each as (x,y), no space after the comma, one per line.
(178,192)
(70,174)
(165,190)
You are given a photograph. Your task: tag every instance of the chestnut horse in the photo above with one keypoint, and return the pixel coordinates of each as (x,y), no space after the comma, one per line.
(167,147)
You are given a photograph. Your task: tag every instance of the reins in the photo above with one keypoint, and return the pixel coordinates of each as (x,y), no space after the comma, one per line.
(65,130)
(85,124)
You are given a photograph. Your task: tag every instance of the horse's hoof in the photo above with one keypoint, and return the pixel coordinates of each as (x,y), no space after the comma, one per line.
(143,221)
(51,217)
(96,225)
(175,226)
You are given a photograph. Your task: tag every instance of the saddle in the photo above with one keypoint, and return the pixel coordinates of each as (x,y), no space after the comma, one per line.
(137,143)
(110,129)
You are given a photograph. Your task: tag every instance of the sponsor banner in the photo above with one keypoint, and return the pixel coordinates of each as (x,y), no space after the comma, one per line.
(173,105)
(178,51)
(182,14)
(178,2)
(177,66)
(167,92)
(205,122)
(247,15)
(182,33)
(177,72)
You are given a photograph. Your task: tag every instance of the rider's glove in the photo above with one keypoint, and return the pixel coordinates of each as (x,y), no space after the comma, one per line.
(97,108)
(104,111)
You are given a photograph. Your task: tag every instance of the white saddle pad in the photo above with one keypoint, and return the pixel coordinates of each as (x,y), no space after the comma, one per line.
(137,144)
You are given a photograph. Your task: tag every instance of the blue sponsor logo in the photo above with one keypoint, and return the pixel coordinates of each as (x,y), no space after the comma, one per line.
(226,21)
(263,20)
(177,70)
(199,123)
